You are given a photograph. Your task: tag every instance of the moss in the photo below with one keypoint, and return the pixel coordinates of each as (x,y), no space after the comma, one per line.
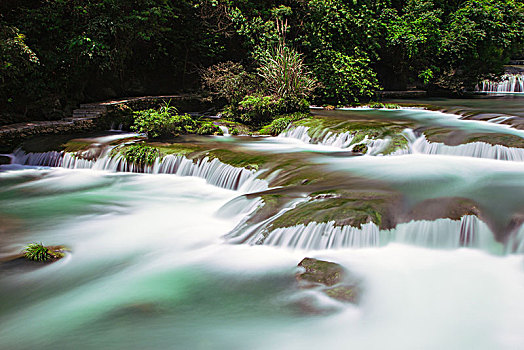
(240,159)
(197,151)
(76,146)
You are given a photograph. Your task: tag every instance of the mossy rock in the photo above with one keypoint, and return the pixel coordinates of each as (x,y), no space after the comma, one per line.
(346,293)
(360,148)
(329,276)
(321,272)
(344,207)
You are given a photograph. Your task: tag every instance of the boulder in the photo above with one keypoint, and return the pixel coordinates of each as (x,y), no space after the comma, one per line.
(329,277)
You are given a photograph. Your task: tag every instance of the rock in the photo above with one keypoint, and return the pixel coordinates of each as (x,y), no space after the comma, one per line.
(5,160)
(319,271)
(360,148)
(329,277)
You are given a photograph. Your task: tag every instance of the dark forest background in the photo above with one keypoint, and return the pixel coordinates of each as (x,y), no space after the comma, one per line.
(57,53)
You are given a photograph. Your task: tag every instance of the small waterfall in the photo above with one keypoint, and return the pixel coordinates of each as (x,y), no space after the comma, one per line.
(376,147)
(212,170)
(225,130)
(324,137)
(299,133)
(473,149)
(510,83)
(469,231)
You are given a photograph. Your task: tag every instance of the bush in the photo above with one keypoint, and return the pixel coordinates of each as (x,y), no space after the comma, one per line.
(229,80)
(285,74)
(209,128)
(164,122)
(140,154)
(256,110)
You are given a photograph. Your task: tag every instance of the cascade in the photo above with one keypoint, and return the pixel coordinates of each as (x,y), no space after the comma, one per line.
(225,130)
(212,170)
(469,231)
(510,83)
(473,149)
(325,138)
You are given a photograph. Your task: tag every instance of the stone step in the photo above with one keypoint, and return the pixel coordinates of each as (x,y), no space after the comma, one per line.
(87,112)
(93,107)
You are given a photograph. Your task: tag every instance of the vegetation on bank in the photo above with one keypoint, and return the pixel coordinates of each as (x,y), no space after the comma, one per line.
(346,50)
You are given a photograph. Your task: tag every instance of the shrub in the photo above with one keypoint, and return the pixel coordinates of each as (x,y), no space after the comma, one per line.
(140,154)
(164,122)
(209,128)
(258,109)
(229,80)
(39,252)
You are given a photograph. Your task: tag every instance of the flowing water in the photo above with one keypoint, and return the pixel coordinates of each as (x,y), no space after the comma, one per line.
(169,257)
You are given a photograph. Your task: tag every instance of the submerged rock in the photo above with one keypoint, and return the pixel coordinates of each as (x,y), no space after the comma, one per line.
(330,277)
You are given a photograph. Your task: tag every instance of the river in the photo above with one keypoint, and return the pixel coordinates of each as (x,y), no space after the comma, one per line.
(173,258)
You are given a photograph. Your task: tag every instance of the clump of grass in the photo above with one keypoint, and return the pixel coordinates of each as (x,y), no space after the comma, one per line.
(39,252)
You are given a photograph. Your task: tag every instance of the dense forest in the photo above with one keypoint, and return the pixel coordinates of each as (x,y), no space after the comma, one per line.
(56,53)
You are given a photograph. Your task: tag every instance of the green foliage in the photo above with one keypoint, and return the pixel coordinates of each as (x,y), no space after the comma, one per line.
(479,38)
(208,128)
(345,79)
(164,122)
(38,252)
(140,154)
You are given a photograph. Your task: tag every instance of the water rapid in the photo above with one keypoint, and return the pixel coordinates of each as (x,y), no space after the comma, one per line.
(212,170)
(173,255)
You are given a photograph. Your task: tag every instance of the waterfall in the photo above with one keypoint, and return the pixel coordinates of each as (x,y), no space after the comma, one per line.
(473,149)
(510,83)
(469,231)
(325,137)
(212,170)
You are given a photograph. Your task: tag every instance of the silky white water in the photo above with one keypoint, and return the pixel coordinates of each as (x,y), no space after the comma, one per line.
(154,265)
